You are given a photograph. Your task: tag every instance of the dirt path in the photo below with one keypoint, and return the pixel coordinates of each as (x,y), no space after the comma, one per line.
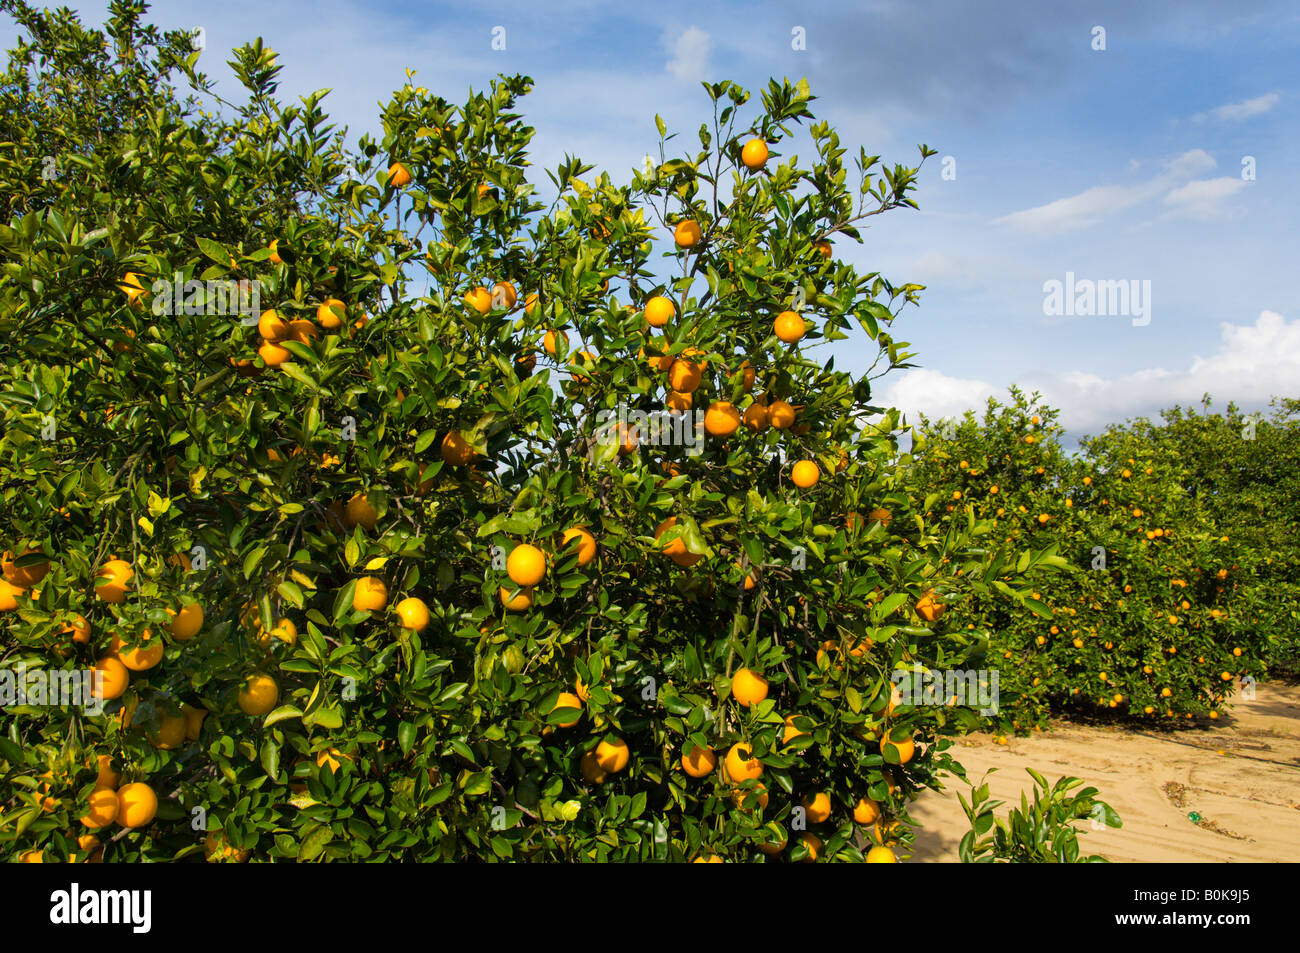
(1242,776)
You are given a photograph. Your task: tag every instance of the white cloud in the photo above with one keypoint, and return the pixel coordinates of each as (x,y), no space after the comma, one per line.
(1233,112)
(1206,198)
(1253,363)
(690,54)
(1093,205)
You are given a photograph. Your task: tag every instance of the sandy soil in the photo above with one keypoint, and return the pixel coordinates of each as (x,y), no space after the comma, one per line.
(1242,776)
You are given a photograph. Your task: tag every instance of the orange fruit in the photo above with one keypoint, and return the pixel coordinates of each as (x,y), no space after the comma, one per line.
(591,771)
(805,474)
(823,248)
(755,417)
(101,809)
(273,355)
(817,808)
(612,756)
(748,687)
(108,778)
(171,733)
(930,607)
(780,414)
(9,594)
(814,845)
(258,695)
(113,678)
(360,512)
(137,804)
(659,311)
(685,375)
(370,595)
(791,732)
(216,849)
(526,565)
(274,249)
(569,700)
(708,859)
(881,516)
(28,576)
(747,376)
(193,722)
(399,175)
(114,580)
(906,748)
(302,331)
(413,614)
(550,338)
(687,234)
(586,543)
(881,855)
(79,628)
(699,762)
(754,154)
(147,652)
(456,450)
(504,292)
(789,327)
(721,419)
(520,602)
(331,313)
(741,765)
(186,623)
(676,550)
(866,811)
(272,327)
(480,299)
(678,403)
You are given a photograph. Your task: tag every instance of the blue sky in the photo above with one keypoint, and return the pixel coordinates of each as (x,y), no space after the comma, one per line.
(1115,164)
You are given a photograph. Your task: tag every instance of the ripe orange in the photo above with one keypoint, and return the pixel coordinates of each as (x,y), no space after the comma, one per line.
(259,694)
(906,748)
(805,474)
(676,550)
(102,808)
(114,580)
(591,771)
(930,607)
(754,154)
(659,311)
(9,594)
(412,613)
(520,602)
(791,732)
(789,327)
(612,756)
(331,314)
(866,811)
(687,234)
(824,248)
(678,403)
(359,512)
(504,292)
(586,543)
(817,808)
(699,762)
(480,299)
(814,845)
(108,778)
(146,653)
(274,248)
(741,765)
(171,733)
(370,594)
(456,450)
(137,804)
(113,677)
(193,722)
(685,375)
(399,175)
(881,516)
(881,855)
(526,565)
(721,419)
(550,338)
(780,414)
(755,417)
(186,623)
(272,327)
(273,355)
(28,576)
(748,687)
(568,700)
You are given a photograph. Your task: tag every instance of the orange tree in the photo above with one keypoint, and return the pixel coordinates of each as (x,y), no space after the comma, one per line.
(365,573)
(1146,617)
